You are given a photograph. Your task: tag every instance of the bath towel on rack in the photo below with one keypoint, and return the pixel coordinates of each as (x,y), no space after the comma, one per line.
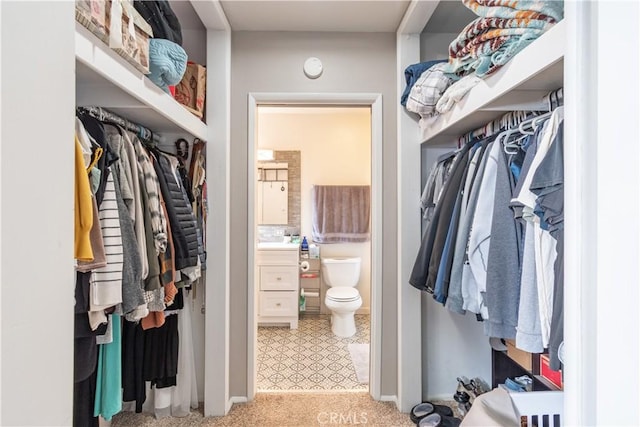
(341,213)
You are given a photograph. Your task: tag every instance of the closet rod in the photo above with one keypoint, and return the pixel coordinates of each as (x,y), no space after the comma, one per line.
(510,119)
(105,115)
(551,101)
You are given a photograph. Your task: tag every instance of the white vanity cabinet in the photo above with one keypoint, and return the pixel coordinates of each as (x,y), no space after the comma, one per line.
(278,283)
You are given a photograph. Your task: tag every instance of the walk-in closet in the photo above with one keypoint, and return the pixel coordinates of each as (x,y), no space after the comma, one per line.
(547,79)
(71,103)
(132,138)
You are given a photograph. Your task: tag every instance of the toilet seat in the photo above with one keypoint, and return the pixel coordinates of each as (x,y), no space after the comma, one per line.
(343,294)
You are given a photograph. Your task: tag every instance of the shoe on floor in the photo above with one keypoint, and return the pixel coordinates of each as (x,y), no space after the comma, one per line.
(424,409)
(437,420)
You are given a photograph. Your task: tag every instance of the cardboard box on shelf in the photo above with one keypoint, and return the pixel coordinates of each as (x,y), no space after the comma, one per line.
(190,92)
(521,357)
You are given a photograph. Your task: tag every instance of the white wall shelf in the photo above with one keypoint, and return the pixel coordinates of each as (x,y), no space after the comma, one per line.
(536,70)
(105,79)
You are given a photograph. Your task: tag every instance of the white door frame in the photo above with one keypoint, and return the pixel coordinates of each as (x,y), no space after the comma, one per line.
(373,100)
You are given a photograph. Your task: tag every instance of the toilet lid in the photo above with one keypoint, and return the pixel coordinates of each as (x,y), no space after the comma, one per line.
(343,294)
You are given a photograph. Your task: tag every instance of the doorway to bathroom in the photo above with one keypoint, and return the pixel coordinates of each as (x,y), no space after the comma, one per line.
(298,144)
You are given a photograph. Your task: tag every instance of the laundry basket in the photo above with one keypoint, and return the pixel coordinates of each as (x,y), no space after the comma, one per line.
(539,408)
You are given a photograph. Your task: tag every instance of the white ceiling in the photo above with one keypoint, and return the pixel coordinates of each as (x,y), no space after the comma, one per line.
(315,15)
(450,16)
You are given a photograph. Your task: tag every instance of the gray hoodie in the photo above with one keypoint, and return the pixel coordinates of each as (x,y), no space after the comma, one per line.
(502,295)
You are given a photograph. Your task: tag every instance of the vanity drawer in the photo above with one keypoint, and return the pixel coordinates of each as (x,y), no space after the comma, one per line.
(275,278)
(277,257)
(278,304)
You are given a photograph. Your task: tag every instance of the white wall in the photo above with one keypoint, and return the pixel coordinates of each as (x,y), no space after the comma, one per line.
(435,45)
(335,149)
(37,224)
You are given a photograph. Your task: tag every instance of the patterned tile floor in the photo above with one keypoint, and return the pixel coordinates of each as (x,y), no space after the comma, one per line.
(310,357)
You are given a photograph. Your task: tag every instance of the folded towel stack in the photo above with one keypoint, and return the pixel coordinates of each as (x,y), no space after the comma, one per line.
(503,28)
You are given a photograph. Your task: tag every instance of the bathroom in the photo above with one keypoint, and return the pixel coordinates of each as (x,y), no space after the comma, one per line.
(300,147)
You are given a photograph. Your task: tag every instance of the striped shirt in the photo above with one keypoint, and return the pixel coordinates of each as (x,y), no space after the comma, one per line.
(106,282)
(149,179)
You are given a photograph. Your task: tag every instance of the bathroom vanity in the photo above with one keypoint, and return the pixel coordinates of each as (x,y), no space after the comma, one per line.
(278,283)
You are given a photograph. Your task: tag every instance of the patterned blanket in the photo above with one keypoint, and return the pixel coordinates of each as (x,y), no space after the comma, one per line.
(504,28)
(516,8)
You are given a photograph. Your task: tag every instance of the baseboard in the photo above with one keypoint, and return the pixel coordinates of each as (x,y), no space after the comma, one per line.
(363,310)
(440,397)
(388,398)
(236,399)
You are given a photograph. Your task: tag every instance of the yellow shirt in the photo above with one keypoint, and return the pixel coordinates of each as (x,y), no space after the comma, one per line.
(83,209)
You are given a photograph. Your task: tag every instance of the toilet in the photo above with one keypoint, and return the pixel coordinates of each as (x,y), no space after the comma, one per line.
(343,299)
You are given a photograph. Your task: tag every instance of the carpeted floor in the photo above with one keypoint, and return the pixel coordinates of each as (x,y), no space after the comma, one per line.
(300,409)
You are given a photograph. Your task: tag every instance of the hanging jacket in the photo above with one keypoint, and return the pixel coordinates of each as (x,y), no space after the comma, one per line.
(164,23)
(470,191)
(420,273)
(83,208)
(503,264)
(182,221)
(480,237)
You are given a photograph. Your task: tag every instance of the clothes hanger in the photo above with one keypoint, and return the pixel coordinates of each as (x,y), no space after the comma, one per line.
(182,149)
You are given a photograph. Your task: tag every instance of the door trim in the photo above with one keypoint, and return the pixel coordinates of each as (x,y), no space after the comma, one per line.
(373,100)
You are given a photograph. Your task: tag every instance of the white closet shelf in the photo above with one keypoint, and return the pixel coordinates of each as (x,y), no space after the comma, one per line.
(105,79)
(521,84)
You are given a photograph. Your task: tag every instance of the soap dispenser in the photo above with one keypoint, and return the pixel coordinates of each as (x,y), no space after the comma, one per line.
(304,246)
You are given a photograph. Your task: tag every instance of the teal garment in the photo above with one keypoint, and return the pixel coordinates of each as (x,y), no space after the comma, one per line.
(94,179)
(109,381)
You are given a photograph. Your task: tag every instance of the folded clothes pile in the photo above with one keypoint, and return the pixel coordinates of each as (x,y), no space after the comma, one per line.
(503,28)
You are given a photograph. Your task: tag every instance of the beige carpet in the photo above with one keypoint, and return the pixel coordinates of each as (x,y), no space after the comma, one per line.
(288,410)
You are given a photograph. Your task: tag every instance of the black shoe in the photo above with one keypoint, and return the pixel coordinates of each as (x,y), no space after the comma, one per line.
(437,420)
(423,409)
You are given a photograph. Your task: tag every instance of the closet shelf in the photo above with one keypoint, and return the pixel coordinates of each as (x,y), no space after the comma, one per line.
(105,79)
(520,84)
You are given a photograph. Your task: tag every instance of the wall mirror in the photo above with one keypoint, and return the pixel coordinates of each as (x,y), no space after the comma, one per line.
(278,191)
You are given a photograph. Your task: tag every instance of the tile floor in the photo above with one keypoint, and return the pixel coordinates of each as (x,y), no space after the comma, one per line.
(310,357)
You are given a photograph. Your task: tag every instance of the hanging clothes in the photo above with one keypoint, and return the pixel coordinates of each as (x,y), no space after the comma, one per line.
(493,239)
(180,213)
(132,324)
(420,274)
(470,193)
(504,258)
(83,208)
(108,396)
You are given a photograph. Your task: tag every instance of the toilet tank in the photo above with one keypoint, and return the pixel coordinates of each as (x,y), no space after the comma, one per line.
(341,271)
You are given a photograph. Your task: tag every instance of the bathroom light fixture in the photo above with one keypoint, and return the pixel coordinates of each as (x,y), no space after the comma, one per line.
(265,154)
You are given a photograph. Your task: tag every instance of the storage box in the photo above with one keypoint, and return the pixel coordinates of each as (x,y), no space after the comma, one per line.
(554,376)
(129,33)
(92,14)
(191,91)
(539,408)
(519,356)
